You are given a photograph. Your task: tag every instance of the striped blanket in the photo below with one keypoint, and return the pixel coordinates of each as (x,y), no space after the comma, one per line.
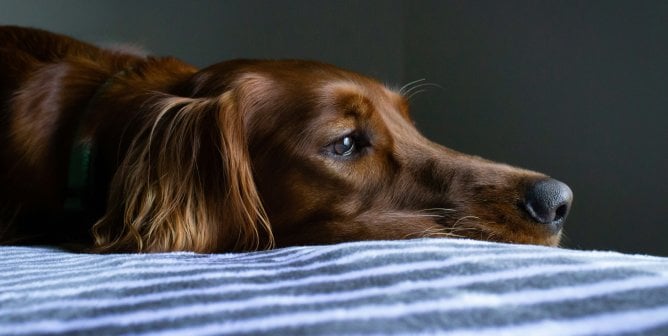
(415,287)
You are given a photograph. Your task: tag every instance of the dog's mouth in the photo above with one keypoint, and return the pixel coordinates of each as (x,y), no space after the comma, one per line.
(504,229)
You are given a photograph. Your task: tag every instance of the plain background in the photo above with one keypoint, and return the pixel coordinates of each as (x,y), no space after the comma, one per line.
(575,89)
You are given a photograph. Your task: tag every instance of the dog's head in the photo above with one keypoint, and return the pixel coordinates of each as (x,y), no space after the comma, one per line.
(315,154)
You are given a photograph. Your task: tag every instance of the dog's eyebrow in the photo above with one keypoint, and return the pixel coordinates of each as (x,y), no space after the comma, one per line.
(353,88)
(336,90)
(340,85)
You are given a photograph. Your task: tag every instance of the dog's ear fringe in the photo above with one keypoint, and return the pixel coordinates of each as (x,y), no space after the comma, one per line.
(186,183)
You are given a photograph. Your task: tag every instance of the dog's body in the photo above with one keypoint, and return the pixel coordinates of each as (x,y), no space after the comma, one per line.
(241,155)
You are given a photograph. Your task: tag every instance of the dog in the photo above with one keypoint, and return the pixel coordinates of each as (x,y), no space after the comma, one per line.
(113,152)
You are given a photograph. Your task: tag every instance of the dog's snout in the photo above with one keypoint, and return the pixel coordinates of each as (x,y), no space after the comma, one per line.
(548,202)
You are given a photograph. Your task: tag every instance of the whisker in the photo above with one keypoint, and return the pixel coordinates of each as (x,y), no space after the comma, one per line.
(409,215)
(465,218)
(450,232)
(421,86)
(414,94)
(440,209)
(433,232)
(445,234)
(565,240)
(407,85)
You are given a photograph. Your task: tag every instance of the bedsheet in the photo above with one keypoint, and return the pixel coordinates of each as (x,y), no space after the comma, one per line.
(412,287)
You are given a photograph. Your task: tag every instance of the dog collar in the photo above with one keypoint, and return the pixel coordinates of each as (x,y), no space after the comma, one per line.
(78,176)
(80,166)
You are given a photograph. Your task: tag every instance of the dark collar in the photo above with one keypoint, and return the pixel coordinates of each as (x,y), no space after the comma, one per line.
(79,173)
(78,176)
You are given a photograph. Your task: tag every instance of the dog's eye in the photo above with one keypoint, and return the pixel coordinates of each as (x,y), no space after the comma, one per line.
(345,146)
(348,146)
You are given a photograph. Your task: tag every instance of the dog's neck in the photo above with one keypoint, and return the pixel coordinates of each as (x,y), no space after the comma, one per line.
(82,155)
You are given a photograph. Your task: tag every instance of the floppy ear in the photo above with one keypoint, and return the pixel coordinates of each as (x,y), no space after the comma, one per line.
(186,183)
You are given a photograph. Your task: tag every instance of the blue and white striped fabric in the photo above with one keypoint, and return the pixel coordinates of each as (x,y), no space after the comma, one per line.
(415,287)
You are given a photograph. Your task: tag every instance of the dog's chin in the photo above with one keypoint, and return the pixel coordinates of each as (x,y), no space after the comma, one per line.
(518,232)
(530,238)
(552,240)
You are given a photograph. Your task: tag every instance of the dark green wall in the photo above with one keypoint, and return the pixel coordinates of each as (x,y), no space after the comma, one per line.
(360,35)
(576,89)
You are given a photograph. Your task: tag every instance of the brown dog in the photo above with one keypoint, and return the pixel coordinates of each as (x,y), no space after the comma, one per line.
(152,154)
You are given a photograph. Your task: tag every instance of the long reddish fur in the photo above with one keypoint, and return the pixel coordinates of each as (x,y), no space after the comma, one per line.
(228,158)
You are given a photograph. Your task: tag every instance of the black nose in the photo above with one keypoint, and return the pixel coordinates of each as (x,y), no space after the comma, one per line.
(548,202)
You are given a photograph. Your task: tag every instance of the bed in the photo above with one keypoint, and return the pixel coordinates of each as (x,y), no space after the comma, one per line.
(413,287)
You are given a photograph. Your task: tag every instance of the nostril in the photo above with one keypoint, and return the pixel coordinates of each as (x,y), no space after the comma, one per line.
(548,202)
(561,213)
